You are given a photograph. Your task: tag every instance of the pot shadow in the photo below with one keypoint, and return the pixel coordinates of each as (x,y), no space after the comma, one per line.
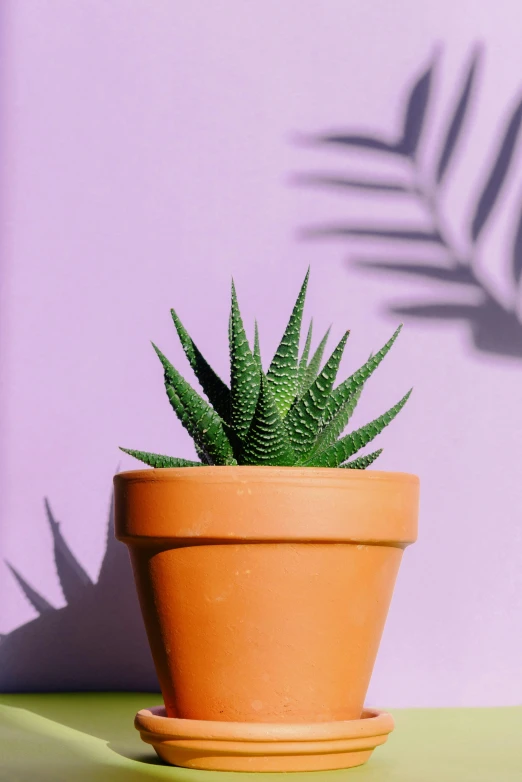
(96,727)
(96,642)
(105,717)
(150,759)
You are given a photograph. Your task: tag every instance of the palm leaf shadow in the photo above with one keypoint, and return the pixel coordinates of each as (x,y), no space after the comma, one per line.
(96,642)
(495,328)
(374,232)
(415,109)
(461,275)
(332,181)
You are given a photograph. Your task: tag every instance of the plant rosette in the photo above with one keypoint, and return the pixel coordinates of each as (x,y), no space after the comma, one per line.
(265,570)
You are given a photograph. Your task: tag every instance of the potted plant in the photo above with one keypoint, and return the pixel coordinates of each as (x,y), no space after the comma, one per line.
(265,569)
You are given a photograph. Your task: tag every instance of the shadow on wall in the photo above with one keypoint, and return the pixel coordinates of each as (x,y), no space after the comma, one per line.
(96,642)
(495,326)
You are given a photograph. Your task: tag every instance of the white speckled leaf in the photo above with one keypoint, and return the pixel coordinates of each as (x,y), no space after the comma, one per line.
(216,390)
(346,389)
(159,460)
(363,461)
(267,441)
(199,419)
(312,370)
(303,421)
(341,450)
(283,374)
(244,373)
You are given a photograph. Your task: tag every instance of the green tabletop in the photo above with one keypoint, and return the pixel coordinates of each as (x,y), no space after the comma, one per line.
(90,736)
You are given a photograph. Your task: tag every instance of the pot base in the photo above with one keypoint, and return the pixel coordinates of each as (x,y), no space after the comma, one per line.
(236,746)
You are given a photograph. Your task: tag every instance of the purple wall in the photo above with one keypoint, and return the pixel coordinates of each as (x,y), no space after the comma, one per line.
(151,151)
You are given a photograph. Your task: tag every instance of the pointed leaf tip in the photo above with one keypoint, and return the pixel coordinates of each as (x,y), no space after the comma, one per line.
(200,420)
(244,374)
(363,461)
(312,370)
(348,445)
(214,388)
(283,373)
(349,386)
(303,422)
(303,363)
(158,460)
(257,347)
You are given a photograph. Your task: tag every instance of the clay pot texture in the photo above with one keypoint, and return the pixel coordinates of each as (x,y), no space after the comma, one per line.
(264,590)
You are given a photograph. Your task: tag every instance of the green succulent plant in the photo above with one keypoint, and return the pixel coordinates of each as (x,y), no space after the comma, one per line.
(289,415)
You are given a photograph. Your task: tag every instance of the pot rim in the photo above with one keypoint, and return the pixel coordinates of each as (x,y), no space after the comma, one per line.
(266,504)
(227,473)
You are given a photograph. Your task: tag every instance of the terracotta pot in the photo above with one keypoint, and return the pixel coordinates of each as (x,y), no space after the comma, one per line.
(264,590)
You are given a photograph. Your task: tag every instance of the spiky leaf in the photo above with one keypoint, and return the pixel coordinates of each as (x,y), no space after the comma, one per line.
(283,373)
(267,441)
(303,362)
(215,389)
(329,433)
(202,455)
(159,460)
(257,348)
(341,450)
(346,389)
(304,419)
(363,461)
(312,370)
(244,373)
(199,419)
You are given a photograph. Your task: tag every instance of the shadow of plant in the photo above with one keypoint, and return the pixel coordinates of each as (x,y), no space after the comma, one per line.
(495,327)
(96,642)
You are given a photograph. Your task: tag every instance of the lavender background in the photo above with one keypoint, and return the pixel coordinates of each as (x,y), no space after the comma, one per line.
(151,150)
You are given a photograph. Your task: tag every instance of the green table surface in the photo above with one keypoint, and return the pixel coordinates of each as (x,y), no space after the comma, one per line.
(83,737)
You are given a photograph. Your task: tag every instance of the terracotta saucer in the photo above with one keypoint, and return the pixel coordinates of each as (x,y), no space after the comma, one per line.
(236,746)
